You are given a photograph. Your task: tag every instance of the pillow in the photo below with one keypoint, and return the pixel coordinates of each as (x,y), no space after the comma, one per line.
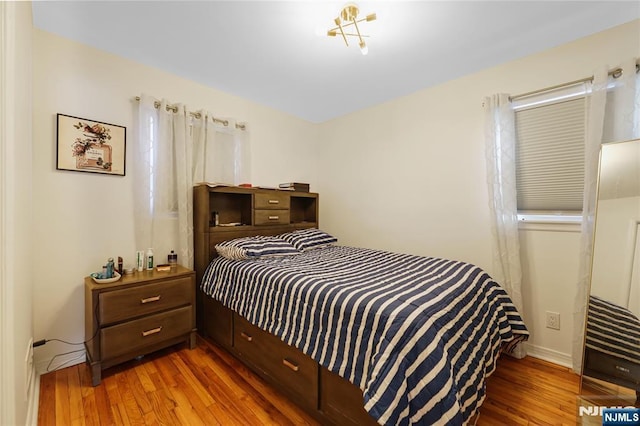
(255,247)
(307,239)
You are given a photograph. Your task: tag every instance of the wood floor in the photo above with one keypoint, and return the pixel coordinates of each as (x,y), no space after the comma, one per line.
(207,386)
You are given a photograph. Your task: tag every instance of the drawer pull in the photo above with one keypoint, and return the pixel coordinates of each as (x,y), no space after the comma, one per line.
(624,370)
(152,331)
(274,201)
(150,299)
(274,217)
(290,364)
(246,336)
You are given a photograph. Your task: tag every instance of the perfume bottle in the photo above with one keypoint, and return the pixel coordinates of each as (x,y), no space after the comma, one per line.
(97,156)
(172,259)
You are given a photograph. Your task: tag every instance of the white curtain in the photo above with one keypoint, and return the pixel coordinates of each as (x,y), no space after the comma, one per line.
(224,152)
(613,114)
(163,167)
(175,150)
(501,180)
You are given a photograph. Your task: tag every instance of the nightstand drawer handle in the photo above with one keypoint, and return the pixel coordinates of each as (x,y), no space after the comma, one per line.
(150,299)
(274,217)
(246,336)
(152,331)
(274,201)
(625,370)
(290,364)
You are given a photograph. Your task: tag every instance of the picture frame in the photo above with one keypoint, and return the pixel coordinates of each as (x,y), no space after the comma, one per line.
(90,146)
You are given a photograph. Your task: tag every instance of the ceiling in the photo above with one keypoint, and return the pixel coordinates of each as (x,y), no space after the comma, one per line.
(274,53)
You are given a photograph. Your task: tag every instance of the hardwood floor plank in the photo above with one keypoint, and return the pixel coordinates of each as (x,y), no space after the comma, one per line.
(208,386)
(132,410)
(63,416)
(120,415)
(145,380)
(47,400)
(189,377)
(530,391)
(76,410)
(137,390)
(163,406)
(185,411)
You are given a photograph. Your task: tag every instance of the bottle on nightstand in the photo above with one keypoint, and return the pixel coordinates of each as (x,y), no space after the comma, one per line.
(149,259)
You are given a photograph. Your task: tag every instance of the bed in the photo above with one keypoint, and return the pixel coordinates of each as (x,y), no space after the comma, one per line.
(379,337)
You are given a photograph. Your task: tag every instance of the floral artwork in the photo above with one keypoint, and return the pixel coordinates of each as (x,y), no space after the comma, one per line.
(92,136)
(91,146)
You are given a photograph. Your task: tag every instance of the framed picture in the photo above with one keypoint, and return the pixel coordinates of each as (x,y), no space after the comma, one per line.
(90,146)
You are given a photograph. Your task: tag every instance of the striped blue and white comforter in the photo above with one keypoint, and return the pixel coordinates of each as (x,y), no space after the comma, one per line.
(418,335)
(613,330)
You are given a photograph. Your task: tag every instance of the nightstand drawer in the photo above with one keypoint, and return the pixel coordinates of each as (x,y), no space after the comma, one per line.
(273,200)
(613,366)
(272,217)
(120,305)
(133,335)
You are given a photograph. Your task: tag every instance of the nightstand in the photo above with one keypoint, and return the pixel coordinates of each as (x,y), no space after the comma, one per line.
(136,315)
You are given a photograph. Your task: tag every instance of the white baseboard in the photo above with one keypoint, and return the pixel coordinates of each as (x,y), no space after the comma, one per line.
(549,355)
(33,400)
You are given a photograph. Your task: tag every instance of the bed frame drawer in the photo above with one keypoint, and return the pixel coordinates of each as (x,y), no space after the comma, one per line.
(294,372)
(121,305)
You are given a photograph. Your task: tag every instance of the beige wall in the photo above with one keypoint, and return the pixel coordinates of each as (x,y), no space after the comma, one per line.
(409,175)
(81,219)
(17,400)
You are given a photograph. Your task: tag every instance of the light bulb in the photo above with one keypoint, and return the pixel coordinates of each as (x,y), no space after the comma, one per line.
(364,48)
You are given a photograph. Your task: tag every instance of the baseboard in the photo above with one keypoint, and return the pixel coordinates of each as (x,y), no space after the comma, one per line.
(33,400)
(549,355)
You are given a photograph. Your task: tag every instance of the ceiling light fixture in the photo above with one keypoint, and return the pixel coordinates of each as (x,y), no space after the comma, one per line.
(349,18)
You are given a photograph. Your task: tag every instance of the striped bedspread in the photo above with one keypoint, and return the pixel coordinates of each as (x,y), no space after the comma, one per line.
(613,330)
(418,335)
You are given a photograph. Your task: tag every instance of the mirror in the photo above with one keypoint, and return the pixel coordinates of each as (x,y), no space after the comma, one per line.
(611,367)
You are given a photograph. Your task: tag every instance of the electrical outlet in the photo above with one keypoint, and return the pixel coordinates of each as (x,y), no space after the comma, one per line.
(553,320)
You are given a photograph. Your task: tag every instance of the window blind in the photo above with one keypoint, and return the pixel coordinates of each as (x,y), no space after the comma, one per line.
(550,156)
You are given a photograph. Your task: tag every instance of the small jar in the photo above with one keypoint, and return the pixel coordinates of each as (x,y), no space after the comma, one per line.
(172,259)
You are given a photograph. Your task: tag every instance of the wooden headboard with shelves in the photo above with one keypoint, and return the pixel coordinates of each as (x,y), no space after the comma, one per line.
(243,212)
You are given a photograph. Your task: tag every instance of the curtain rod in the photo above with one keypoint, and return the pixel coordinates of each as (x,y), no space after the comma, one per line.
(174,108)
(615,73)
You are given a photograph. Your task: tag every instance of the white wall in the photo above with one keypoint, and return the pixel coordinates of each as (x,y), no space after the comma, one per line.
(409,175)
(614,249)
(81,219)
(17,399)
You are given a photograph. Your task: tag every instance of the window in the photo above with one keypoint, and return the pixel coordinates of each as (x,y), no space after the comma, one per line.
(550,133)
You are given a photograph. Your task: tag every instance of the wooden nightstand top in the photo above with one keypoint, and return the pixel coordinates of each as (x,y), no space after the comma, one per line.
(139,278)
